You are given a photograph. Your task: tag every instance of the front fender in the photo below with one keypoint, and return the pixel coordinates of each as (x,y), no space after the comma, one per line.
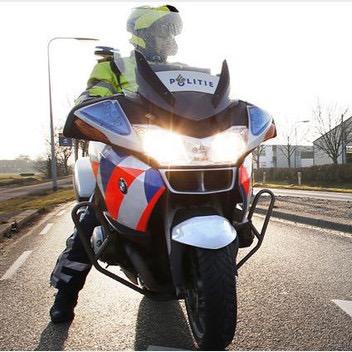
(83,179)
(210,232)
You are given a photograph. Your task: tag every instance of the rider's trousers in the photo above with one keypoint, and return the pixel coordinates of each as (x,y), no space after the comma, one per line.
(73,264)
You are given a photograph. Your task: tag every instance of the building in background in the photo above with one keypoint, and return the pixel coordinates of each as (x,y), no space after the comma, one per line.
(17,166)
(349,154)
(277,156)
(345,150)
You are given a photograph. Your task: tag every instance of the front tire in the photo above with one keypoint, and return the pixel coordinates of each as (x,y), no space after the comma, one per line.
(211,296)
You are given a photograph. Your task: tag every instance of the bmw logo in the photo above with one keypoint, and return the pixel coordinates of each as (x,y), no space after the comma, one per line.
(123,185)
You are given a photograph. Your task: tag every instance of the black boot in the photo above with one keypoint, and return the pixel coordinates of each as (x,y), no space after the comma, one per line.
(64,304)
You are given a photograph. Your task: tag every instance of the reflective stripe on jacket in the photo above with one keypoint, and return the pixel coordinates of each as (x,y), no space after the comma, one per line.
(105,80)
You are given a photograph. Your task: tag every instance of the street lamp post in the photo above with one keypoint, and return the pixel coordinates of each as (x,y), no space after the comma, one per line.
(303,121)
(52,136)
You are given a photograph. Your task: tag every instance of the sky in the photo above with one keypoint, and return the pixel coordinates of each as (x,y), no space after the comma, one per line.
(282,56)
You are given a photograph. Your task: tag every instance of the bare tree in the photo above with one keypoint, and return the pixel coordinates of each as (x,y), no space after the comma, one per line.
(84,147)
(288,139)
(288,150)
(23,157)
(257,152)
(334,130)
(42,165)
(62,154)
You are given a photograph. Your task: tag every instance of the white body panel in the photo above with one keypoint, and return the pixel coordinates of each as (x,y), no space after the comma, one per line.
(84,180)
(210,232)
(95,149)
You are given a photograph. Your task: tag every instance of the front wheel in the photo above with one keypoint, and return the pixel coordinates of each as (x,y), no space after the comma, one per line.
(211,296)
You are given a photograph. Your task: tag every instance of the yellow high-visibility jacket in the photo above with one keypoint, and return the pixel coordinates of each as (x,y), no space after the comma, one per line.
(106,79)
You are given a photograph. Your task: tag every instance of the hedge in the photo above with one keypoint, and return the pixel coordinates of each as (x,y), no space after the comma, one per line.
(319,175)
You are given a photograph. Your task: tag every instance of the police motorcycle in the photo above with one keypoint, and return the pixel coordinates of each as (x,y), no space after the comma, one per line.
(169,179)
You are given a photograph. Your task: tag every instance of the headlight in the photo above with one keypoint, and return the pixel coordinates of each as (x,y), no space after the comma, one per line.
(164,146)
(226,147)
(172,149)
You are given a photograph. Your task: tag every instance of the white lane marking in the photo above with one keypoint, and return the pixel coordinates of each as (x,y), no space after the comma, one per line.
(16,265)
(60,212)
(346,306)
(46,228)
(35,227)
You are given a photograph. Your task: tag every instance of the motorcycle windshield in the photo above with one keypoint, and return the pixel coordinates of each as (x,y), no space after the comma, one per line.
(163,67)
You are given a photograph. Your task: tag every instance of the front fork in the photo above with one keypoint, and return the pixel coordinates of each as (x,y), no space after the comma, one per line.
(176,255)
(259,235)
(94,257)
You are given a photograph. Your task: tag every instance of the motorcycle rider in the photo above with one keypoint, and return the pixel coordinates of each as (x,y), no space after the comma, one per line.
(153,31)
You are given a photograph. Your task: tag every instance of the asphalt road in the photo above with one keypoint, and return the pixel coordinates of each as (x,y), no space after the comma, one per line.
(340,196)
(285,297)
(14,192)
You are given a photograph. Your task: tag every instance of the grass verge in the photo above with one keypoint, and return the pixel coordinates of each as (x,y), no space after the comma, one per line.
(42,200)
(16,179)
(345,189)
